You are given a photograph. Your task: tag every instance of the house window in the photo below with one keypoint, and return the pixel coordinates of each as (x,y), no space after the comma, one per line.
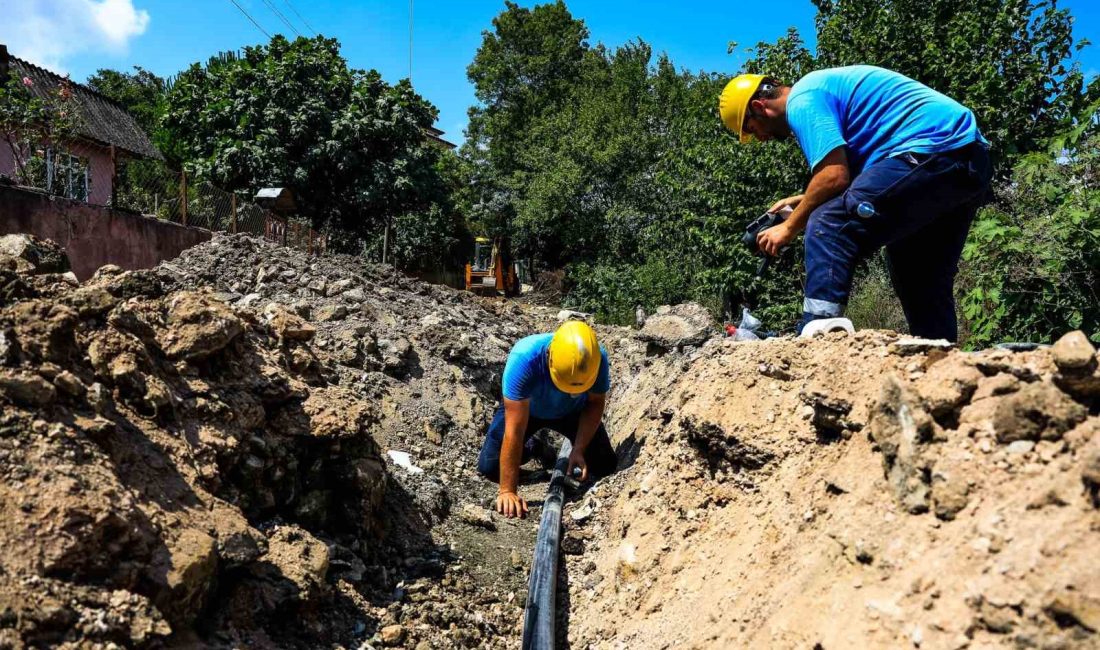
(68,175)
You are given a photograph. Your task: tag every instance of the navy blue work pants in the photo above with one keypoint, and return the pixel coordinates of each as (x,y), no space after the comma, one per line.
(600,455)
(922,205)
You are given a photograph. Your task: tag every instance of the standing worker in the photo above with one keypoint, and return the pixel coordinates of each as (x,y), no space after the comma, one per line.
(893,162)
(553,381)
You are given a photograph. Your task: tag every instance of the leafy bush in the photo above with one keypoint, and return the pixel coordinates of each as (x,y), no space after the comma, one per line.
(1032,262)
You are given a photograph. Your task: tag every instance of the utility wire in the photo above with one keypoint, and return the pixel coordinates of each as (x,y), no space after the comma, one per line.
(281,17)
(250,18)
(300,17)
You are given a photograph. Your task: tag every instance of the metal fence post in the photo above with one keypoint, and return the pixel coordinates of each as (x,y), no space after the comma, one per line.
(233,212)
(183,196)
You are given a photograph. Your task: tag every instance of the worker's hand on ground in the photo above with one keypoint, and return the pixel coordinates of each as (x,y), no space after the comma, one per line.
(576,459)
(511,504)
(775,238)
(791,202)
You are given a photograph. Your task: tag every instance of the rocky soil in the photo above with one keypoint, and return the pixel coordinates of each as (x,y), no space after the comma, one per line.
(249,447)
(200,454)
(850,492)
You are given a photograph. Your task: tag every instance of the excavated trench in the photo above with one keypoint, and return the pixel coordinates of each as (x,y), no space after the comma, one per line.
(247,447)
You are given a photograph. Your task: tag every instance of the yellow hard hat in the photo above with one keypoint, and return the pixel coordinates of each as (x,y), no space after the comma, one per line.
(574,357)
(735,99)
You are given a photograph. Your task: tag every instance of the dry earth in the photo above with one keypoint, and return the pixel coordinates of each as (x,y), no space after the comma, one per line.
(851,492)
(199,455)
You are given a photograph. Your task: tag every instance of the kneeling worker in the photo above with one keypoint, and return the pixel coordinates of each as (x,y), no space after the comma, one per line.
(553,381)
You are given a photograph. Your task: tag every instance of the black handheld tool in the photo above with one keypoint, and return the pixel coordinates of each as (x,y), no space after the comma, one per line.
(758,225)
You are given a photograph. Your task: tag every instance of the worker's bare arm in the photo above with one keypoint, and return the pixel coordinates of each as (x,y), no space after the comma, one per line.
(516,414)
(587,424)
(830,178)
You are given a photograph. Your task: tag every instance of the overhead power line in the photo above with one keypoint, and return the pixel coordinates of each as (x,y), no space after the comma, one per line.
(250,18)
(281,17)
(300,17)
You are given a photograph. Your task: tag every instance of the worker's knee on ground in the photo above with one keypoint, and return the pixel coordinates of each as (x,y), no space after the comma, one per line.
(489,470)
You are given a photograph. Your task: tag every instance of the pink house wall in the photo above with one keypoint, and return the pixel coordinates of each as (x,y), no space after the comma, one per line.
(93,236)
(100,169)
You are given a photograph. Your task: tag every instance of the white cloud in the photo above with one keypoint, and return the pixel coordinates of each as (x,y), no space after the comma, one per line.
(48,32)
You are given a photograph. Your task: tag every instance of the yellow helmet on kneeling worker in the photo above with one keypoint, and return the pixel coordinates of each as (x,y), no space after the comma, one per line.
(574,357)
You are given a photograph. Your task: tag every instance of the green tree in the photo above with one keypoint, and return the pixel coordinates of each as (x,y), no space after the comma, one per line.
(140,92)
(349,145)
(1007,60)
(525,70)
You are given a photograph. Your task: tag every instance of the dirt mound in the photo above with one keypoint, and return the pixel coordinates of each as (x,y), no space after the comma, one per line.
(250,447)
(160,460)
(198,454)
(851,491)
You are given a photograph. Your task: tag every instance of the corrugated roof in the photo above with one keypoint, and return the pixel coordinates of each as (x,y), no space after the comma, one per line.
(103,120)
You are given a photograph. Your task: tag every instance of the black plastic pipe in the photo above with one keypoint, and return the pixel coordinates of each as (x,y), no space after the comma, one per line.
(542,591)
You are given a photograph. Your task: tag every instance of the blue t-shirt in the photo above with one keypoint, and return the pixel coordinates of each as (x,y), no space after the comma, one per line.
(527,376)
(877,113)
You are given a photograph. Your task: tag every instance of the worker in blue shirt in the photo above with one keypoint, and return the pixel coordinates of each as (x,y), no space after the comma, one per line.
(555,381)
(893,163)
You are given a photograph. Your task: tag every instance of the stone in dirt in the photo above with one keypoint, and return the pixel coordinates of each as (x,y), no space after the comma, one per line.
(92,302)
(906,347)
(26,388)
(291,327)
(1037,411)
(329,313)
(902,428)
(830,414)
(947,387)
(1078,366)
(1074,352)
(477,516)
(31,255)
(393,635)
(198,326)
(338,287)
(950,489)
(678,326)
(354,295)
(300,558)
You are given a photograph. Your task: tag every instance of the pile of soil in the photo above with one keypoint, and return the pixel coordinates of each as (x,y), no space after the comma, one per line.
(199,454)
(850,491)
(250,447)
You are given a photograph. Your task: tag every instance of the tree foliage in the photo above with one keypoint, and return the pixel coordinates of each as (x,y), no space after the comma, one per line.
(140,92)
(350,146)
(32,122)
(1007,60)
(1032,262)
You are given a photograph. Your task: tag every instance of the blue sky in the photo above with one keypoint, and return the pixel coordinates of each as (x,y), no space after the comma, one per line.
(79,36)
